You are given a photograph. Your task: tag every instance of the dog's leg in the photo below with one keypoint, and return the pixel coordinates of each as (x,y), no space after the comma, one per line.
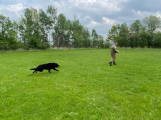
(55,69)
(33,72)
(49,71)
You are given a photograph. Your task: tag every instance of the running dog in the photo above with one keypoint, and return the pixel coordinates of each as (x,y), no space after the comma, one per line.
(47,66)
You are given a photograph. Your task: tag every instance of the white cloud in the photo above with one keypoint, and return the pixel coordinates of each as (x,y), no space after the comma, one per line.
(109,21)
(108,5)
(12,11)
(57,4)
(86,18)
(96,5)
(158,14)
(144,14)
(87,1)
(15,8)
(141,13)
(93,24)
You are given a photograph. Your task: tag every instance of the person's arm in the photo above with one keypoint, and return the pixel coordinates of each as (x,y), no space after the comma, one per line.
(116,50)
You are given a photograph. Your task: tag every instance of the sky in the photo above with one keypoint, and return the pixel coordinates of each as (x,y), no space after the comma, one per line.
(100,15)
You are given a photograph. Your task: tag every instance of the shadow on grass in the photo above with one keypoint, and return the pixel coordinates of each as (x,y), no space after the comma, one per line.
(43,73)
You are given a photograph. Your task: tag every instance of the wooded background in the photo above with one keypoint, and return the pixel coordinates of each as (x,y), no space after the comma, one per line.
(41,29)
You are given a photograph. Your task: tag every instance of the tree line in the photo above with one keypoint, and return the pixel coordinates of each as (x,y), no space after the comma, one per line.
(41,29)
(145,33)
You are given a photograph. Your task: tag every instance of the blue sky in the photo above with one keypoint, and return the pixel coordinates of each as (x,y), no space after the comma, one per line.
(94,14)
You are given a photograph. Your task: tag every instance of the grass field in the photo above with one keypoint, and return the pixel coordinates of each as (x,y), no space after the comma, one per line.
(85,88)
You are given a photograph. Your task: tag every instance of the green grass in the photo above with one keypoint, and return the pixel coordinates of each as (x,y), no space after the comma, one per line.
(85,88)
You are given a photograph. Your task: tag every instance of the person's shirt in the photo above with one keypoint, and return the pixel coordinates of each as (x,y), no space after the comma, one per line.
(114,49)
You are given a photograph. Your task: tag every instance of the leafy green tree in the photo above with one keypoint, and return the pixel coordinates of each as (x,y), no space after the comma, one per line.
(132,40)
(123,40)
(3,27)
(77,33)
(60,30)
(94,36)
(8,34)
(143,38)
(101,41)
(52,15)
(35,26)
(134,31)
(107,43)
(68,33)
(113,34)
(157,39)
(138,35)
(26,28)
(86,36)
(62,33)
(151,23)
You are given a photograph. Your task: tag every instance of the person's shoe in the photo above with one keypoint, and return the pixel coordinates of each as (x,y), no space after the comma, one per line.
(114,63)
(110,63)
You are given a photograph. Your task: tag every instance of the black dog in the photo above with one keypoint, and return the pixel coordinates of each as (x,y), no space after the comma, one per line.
(47,66)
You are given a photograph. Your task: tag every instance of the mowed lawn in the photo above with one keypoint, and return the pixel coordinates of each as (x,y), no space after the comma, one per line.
(85,88)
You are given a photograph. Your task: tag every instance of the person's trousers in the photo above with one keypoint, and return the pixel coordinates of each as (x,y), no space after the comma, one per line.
(113,55)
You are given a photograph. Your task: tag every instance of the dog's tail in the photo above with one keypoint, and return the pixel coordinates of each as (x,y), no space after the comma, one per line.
(33,69)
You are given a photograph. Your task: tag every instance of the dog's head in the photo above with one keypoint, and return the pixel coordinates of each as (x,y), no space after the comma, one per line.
(56,65)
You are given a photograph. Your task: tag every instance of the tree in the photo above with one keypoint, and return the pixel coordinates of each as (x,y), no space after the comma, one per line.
(157,39)
(60,30)
(3,22)
(101,41)
(113,34)
(35,27)
(123,40)
(77,33)
(86,36)
(134,30)
(94,36)
(151,23)
(8,34)
(143,38)
(70,33)
(27,28)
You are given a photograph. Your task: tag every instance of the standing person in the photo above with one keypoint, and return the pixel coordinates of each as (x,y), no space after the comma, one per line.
(113,54)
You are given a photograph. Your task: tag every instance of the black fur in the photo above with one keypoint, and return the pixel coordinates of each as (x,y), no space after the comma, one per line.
(47,66)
